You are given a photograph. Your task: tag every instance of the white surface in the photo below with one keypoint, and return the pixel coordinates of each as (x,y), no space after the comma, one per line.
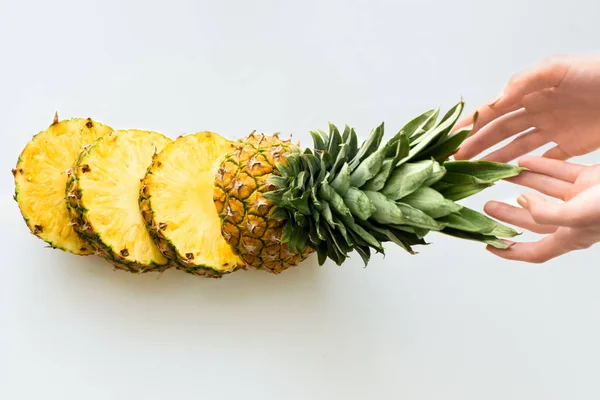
(453,322)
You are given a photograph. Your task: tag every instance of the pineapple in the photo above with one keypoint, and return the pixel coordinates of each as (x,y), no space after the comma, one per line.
(102,197)
(248,220)
(277,204)
(176,204)
(40,180)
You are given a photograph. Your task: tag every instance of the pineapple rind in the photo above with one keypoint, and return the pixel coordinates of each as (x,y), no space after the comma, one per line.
(184,170)
(101,238)
(247,217)
(40,180)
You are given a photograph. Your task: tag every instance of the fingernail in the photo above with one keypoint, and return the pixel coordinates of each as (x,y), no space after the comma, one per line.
(522,201)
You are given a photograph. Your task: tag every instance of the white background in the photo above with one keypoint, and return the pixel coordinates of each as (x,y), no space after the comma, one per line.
(453,322)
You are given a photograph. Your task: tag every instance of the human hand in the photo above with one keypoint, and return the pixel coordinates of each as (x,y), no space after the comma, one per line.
(571,225)
(555,101)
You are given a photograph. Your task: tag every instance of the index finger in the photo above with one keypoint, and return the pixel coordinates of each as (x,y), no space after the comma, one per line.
(546,75)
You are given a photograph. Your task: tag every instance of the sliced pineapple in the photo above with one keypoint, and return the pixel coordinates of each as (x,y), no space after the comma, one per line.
(40,180)
(103,199)
(177,205)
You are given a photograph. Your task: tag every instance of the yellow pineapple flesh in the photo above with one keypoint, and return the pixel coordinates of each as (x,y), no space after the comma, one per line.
(103,199)
(177,206)
(40,180)
(248,223)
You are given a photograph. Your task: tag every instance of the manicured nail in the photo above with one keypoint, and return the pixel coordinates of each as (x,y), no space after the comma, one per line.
(522,201)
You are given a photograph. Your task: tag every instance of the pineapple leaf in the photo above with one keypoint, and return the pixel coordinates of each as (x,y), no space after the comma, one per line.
(491,240)
(415,217)
(421,124)
(342,181)
(459,192)
(445,147)
(378,181)
(368,168)
(340,160)
(335,139)
(439,131)
(407,178)
(472,221)
(484,171)
(359,204)
(386,210)
(431,202)
(352,145)
(365,253)
(318,142)
(301,203)
(327,214)
(368,147)
(336,201)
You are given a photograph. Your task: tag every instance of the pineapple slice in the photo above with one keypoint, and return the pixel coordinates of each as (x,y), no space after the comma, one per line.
(103,193)
(40,180)
(177,205)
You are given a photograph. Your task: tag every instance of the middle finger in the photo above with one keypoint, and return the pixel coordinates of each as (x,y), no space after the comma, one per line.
(543,183)
(495,132)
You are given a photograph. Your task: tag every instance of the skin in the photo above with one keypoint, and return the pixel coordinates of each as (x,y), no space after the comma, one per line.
(555,102)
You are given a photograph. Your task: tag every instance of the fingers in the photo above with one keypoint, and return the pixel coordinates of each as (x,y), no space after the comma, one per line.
(494,132)
(545,184)
(516,216)
(548,74)
(579,211)
(522,145)
(534,252)
(555,168)
(557,153)
(485,114)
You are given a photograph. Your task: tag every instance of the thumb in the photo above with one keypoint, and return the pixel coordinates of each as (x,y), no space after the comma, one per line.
(542,211)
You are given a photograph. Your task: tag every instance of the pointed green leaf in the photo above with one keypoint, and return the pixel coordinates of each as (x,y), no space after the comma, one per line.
(437,173)
(446,147)
(362,233)
(484,171)
(431,202)
(368,168)
(327,214)
(407,178)
(335,139)
(359,204)
(415,217)
(334,199)
(352,145)
(459,192)
(439,131)
(369,146)
(340,160)
(301,203)
(472,221)
(477,237)
(322,253)
(386,211)
(421,123)
(318,141)
(342,181)
(364,253)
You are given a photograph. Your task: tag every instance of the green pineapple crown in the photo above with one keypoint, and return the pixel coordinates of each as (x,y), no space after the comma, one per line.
(338,197)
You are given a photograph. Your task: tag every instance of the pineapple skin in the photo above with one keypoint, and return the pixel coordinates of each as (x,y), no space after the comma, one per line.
(192,161)
(119,257)
(40,180)
(247,220)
